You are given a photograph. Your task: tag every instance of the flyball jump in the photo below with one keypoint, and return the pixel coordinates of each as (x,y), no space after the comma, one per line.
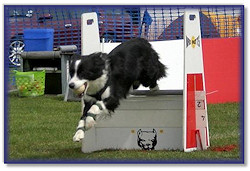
(188,129)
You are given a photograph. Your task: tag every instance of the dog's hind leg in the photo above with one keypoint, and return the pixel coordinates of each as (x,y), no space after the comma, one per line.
(149,82)
(136,85)
(154,86)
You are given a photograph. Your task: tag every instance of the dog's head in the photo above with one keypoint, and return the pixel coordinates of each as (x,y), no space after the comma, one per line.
(84,69)
(147,139)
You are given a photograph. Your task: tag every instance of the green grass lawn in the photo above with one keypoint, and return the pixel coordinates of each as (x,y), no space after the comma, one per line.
(41,128)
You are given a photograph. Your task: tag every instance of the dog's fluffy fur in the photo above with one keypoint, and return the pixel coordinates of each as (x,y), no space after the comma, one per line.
(108,78)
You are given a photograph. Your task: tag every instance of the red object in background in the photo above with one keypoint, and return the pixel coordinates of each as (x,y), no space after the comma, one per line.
(222,67)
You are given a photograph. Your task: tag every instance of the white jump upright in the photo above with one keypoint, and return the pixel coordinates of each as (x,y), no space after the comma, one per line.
(196,133)
(159,121)
(90,33)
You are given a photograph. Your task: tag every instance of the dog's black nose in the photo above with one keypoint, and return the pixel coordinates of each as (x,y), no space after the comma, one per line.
(71,85)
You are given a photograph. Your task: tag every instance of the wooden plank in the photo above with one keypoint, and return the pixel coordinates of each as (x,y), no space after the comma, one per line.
(158,97)
(147,103)
(159,92)
(142,118)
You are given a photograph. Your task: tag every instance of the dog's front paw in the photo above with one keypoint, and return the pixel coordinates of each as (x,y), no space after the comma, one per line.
(79,135)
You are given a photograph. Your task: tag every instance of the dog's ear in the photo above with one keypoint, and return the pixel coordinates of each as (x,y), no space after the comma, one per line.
(154,131)
(74,57)
(139,132)
(98,61)
(99,55)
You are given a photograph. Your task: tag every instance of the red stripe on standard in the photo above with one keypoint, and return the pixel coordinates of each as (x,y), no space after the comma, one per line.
(199,82)
(194,83)
(191,120)
(206,137)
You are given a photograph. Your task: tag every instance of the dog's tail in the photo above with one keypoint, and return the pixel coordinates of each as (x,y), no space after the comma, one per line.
(161,68)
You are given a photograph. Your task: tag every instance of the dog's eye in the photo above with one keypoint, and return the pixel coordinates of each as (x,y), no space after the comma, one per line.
(87,74)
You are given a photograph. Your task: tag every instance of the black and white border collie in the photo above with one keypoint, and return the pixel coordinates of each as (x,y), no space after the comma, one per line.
(101,80)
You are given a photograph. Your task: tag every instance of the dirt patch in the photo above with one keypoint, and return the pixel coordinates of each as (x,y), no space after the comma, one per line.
(224,148)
